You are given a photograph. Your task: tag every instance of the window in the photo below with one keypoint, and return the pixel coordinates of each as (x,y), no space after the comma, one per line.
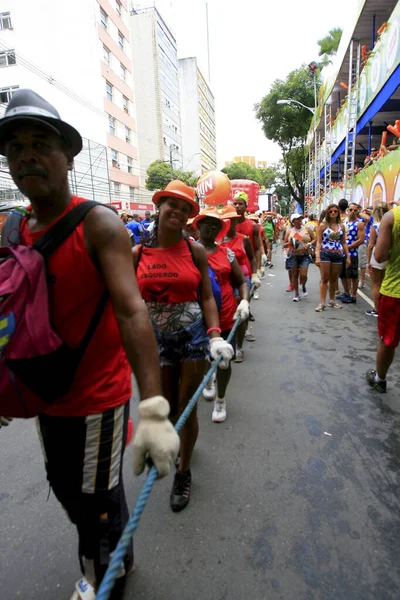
(114,159)
(6,94)
(131,193)
(107,56)
(127,134)
(125,104)
(111,124)
(109,91)
(117,189)
(121,40)
(103,19)
(123,73)
(7,58)
(5,21)
(118,7)
(130,164)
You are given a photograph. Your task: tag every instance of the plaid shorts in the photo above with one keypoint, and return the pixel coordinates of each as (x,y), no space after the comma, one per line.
(389,321)
(191,343)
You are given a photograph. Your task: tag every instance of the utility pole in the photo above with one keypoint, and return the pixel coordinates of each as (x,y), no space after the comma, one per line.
(208,44)
(170,160)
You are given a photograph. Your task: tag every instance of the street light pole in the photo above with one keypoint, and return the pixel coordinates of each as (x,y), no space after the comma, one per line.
(170,160)
(313,112)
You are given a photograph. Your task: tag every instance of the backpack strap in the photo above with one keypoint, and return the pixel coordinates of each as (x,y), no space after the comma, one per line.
(53,238)
(60,231)
(138,255)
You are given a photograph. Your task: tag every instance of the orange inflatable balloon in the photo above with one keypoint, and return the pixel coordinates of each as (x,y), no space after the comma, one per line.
(213,188)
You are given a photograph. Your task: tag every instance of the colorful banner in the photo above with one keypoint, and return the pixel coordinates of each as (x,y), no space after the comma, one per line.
(378,183)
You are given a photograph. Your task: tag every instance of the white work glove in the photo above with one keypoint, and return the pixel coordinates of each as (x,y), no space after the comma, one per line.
(218,346)
(5,421)
(155,437)
(255,280)
(242,311)
(264,259)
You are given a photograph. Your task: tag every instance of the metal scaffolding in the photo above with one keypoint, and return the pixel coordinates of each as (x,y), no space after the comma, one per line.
(89,177)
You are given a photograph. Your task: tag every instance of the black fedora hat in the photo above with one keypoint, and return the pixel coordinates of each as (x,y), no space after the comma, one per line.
(27,106)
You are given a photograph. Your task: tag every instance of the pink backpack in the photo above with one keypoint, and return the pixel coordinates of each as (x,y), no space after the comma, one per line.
(36,366)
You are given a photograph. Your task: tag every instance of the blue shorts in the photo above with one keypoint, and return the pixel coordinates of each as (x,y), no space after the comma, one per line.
(298,262)
(191,343)
(335,258)
(248,280)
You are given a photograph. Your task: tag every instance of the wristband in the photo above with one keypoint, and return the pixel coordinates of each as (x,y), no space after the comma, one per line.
(213,329)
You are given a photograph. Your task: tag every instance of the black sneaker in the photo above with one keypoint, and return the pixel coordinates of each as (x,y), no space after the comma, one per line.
(180,493)
(371,313)
(251,317)
(379,386)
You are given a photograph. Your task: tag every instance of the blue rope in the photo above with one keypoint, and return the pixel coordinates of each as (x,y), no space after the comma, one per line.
(113,569)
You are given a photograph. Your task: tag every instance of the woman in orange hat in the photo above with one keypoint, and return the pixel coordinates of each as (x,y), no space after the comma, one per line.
(241,247)
(228,272)
(172,273)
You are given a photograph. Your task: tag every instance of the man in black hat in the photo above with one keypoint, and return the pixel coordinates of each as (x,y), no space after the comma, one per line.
(84,433)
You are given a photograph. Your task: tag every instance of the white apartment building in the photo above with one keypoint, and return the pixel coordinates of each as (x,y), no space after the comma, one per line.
(77,55)
(155,70)
(197,118)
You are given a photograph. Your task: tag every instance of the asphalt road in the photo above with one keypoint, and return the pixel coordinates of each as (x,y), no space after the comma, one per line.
(295,496)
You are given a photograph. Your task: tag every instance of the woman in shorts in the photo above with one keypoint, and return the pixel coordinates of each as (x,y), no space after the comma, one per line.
(331,247)
(172,274)
(230,276)
(298,240)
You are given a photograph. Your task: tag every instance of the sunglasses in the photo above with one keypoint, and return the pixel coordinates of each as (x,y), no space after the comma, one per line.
(333,212)
(352,209)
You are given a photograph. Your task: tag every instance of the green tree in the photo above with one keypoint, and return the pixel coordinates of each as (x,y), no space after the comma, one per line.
(242,170)
(159,175)
(329,45)
(287,125)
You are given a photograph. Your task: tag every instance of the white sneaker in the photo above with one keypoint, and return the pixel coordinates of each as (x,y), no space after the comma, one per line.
(219,412)
(209,390)
(256,296)
(239,355)
(361,285)
(83,590)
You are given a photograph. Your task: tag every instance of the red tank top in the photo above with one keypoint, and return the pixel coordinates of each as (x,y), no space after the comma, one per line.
(247,228)
(168,275)
(223,268)
(103,378)
(237,246)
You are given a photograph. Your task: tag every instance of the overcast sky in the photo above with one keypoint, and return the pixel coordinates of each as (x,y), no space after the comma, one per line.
(252,43)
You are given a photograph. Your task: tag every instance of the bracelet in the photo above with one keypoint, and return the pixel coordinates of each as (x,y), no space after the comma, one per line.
(213,329)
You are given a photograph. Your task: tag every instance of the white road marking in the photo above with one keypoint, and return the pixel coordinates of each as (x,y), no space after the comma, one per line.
(365,297)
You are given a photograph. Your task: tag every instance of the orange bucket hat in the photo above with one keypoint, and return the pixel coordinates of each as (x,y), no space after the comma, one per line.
(178,189)
(212,213)
(228,212)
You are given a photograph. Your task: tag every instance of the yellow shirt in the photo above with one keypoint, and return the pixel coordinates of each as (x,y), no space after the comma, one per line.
(391,283)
